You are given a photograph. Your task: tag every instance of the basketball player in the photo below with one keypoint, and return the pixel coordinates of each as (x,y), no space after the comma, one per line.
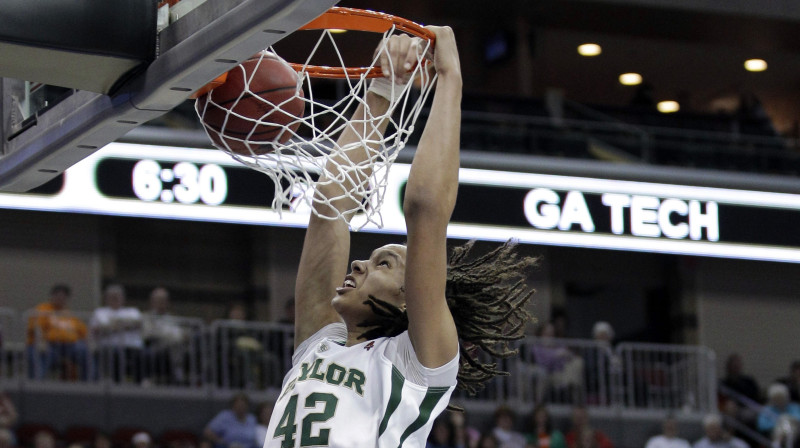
(377,350)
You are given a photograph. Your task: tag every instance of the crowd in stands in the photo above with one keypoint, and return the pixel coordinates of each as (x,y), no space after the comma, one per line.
(775,415)
(122,343)
(238,427)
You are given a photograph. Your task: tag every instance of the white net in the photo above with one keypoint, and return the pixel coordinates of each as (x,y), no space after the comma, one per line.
(297,146)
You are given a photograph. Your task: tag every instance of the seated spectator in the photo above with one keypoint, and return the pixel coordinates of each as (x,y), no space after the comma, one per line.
(793,381)
(730,409)
(234,427)
(542,434)
(582,435)
(442,434)
(44,439)
(245,363)
(57,338)
(668,437)
(488,440)
(739,382)
(8,413)
(786,432)
(163,341)
(465,436)
(7,439)
(263,414)
(504,429)
(603,333)
(288,312)
(118,333)
(563,369)
(716,436)
(777,405)
(600,364)
(141,440)
(101,440)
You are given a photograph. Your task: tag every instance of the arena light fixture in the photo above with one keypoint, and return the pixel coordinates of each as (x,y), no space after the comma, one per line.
(630,79)
(337,30)
(755,65)
(668,107)
(589,49)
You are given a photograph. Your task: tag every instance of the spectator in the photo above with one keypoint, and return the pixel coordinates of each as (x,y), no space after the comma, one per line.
(563,370)
(600,364)
(7,439)
(488,440)
(504,429)
(582,435)
(8,412)
(793,381)
(736,380)
(242,353)
(603,333)
(163,340)
(465,436)
(101,440)
(280,341)
(234,427)
(543,435)
(141,440)
(288,312)
(57,338)
(442,434)
(785,433)
(118,333)
(44,439)
(668,437)
(731,410)
(560,321)
(716,436)
(777,405)
(263,414)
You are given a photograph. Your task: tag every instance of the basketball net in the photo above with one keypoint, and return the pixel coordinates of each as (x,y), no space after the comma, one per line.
(296,165)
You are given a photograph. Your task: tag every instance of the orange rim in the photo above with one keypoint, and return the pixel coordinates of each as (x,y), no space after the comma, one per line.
(358,20)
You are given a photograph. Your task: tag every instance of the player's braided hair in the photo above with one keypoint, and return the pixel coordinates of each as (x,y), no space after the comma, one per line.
(487,297)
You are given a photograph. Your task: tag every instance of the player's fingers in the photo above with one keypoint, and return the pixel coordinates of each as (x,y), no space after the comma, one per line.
(402,44)
(384,61)
(412,55)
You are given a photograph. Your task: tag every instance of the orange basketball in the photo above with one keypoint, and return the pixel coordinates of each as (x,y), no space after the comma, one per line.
(260,102)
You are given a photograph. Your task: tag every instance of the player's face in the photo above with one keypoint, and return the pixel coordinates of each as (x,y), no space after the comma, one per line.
(381,276)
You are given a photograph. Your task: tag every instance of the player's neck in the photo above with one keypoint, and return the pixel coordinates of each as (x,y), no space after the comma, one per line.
(353,335)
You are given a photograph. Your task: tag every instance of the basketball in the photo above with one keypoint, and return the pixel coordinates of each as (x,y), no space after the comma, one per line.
(260,103)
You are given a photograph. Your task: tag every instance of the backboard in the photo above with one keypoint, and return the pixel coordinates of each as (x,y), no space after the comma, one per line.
(45,130)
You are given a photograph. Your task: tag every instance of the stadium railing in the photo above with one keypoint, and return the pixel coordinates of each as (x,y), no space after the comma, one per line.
(172,352)
(229,355)
(249,355)
(591,134)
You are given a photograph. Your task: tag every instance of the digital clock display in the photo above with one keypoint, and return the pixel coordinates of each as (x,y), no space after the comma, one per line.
(183,182)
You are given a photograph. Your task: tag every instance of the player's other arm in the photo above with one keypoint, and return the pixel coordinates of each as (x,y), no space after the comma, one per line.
(326,249)
(429,200)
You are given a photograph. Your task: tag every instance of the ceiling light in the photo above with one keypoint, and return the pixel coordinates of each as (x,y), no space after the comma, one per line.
(630,79)
(589,50)
(337,30)
(668,107)
(755,65)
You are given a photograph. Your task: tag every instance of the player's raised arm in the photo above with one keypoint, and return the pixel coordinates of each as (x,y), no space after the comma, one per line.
(429,201)
(326,249)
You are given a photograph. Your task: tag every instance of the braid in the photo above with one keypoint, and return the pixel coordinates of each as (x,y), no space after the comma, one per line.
(487,297)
